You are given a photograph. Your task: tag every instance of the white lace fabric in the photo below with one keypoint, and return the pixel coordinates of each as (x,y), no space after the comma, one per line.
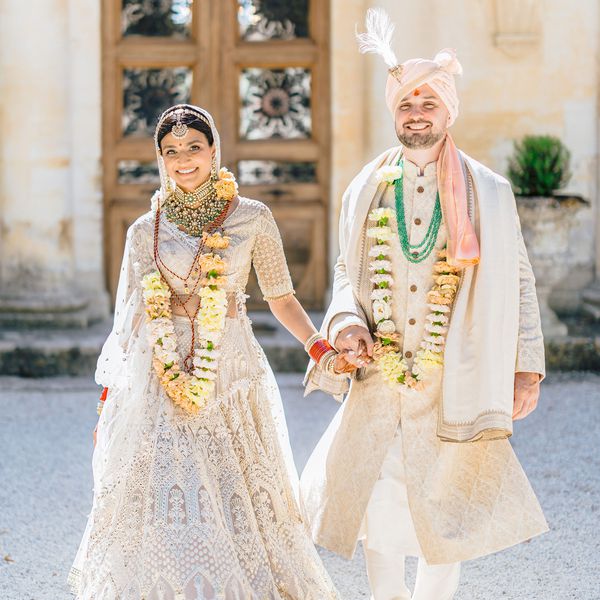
(196,507)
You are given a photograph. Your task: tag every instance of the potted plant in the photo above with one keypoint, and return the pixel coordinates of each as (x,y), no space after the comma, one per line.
(538,168)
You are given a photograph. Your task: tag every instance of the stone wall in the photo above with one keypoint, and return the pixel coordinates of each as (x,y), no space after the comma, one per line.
(530,67)
(50,192)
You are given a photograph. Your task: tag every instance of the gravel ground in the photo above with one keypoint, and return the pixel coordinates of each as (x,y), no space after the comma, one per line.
(45,490)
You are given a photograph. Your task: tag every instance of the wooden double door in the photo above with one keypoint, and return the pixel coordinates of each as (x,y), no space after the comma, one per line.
(261,67)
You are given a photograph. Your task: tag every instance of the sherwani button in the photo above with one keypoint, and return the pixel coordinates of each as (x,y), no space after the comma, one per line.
(413,288)
(420,189)
(417,221)
(412,321)
(408,354)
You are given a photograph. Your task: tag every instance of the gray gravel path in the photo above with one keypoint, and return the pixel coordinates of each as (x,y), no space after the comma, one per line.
(45,490)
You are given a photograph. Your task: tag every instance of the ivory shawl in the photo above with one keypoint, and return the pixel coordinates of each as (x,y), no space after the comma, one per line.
(482,341)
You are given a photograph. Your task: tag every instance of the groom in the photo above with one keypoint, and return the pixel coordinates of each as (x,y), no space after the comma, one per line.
(417,460)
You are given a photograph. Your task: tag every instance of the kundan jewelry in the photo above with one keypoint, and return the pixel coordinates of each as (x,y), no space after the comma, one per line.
(192,211)
(180,129)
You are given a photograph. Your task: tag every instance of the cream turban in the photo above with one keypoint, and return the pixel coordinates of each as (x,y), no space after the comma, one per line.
(437,73)
(404,78)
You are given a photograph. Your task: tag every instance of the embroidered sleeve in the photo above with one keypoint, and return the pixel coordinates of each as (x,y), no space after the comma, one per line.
(530,345)
(269,259)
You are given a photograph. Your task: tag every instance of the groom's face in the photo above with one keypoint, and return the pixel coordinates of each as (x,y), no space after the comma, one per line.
(421,119)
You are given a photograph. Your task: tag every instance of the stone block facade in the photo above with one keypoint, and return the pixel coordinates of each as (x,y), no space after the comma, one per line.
(529,67)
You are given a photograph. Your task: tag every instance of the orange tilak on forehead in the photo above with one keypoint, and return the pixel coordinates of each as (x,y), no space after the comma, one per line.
(417,92)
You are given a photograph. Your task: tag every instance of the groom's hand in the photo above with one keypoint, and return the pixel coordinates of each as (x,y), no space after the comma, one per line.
(356,343)
(527,392)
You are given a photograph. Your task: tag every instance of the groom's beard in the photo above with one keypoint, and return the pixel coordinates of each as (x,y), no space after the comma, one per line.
(419,141)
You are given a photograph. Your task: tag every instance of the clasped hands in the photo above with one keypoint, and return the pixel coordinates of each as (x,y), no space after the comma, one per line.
(355,346)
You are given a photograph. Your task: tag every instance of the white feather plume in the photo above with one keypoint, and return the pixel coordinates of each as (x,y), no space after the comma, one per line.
(378,37)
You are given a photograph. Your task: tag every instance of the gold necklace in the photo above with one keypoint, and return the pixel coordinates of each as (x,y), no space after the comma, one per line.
(192,211)
(198,196)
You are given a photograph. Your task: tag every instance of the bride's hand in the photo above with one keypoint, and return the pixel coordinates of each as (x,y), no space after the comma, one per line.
(342,365)
(94,434)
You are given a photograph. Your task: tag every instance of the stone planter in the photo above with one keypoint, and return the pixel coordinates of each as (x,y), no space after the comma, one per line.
(546,223)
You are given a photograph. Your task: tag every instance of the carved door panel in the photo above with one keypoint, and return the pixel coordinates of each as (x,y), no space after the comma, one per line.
(261,67)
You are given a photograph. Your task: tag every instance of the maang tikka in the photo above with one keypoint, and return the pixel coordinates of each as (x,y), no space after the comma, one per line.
(179,130)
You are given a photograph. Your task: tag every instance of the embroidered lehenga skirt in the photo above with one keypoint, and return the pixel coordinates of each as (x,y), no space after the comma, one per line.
(200,507)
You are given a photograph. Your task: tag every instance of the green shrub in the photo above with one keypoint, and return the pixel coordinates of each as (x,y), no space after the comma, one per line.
(539,165)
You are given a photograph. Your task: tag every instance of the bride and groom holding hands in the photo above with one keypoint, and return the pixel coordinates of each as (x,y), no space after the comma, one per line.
(432,340)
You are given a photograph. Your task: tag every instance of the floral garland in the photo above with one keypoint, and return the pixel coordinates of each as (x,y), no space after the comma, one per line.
(191,391)
(226,186)
(387,351)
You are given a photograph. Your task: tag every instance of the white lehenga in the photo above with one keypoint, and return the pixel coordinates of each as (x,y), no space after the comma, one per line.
(196,507)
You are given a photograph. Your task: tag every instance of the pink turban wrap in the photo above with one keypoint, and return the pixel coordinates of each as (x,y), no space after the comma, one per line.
(437,73)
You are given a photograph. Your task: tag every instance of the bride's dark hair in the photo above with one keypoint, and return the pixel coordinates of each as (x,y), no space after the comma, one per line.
(188,119)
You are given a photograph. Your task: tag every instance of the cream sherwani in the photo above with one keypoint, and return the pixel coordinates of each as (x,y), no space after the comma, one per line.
(388,520)
(463,500)
(388,526)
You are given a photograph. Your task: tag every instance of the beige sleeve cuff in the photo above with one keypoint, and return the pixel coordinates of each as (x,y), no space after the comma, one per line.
(530,362)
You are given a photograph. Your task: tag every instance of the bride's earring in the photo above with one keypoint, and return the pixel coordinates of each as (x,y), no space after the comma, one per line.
(213,169)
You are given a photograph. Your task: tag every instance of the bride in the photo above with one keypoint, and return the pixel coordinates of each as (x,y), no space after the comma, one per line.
(194,483)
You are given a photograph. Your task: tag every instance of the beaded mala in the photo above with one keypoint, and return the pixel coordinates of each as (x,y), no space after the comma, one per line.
(194,271)
(415,253)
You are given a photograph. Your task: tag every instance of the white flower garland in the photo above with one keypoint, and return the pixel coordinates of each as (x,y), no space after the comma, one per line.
(387,352)
(191,391)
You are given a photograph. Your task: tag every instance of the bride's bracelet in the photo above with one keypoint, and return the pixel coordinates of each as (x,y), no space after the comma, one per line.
(311,340)
(322,352)
(317,347)
(101,401)
(328,362)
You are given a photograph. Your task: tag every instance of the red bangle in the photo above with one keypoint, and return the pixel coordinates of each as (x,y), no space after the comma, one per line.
(104,394)
(318,349)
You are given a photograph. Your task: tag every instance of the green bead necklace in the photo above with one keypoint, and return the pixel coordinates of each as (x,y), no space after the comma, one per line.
(416,253)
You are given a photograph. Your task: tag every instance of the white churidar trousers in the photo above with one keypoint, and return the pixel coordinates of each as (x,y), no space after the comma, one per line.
(390,537)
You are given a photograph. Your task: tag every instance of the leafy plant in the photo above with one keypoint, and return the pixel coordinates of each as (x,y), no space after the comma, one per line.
(539,165)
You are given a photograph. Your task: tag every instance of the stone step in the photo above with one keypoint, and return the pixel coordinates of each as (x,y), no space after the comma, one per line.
(46,353)
(75,351)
